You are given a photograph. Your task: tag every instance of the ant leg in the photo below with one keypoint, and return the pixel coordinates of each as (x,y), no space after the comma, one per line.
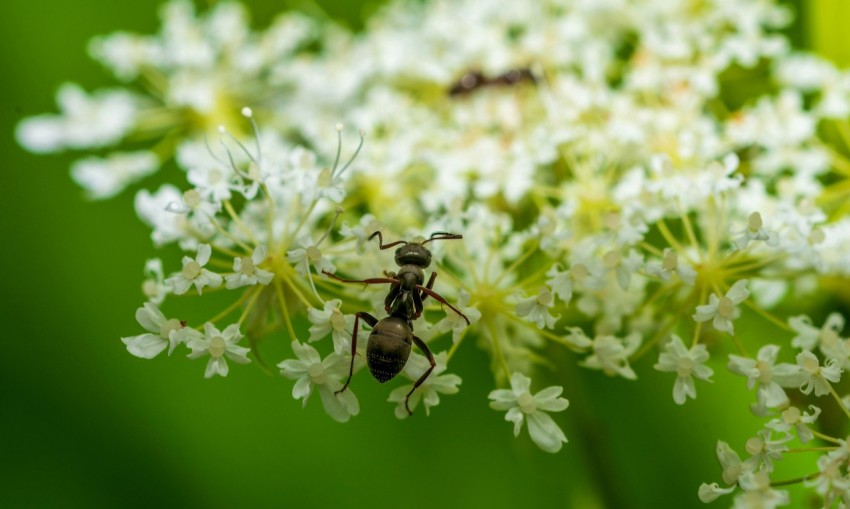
(370,281)
(391,296)
(420,296)
(371,320)
(427,351)
(441,300)
(381,241)
(429,286)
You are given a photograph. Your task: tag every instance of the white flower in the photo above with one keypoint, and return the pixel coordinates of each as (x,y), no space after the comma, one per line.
(86,121)
(771,377)
(711,492)
(153,209)
(622,267)
(309,254)
(764,450)
(610,353)
(669,264)
(332,320)
(219,345)
(148,346)
(817,377)
(454,322)
(754,231)
(193,273)
(827,338)
(791,417)
(247,271)
(311,372)
(832,483)
(154,287)
(106,177)
(758,493)
(723,309)
(200,212)
(522,405)
(687,364)
(429,392)
(561,283)
(730,463)
(536,308)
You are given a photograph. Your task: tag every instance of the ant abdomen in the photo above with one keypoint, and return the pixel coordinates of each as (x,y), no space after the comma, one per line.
(388,348)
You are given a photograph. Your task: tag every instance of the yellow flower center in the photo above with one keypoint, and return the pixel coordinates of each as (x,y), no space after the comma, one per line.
(192,198)
(168,326)
(313,254)
(337,320)
(317,374)
(526,403)
(765,373)
(191,270)
(684,367)
(791,415)
(216,347)
(247,266)
(754,223)
(725,307)
(325,178)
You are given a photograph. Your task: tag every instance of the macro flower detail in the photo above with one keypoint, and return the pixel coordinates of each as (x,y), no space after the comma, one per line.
(194,273)
(817,377)
(429,392)
(308,255)
(522,405)
(218,345)
(247,272)
(754,231)
(671,264)
(93,120)
(608,353)
(827,338)
(454,322)
(536,308)
(155,287)
(687,364)
(312,373)
(159,337)
(770,377)
(722,310)
(331,320)
(793,418)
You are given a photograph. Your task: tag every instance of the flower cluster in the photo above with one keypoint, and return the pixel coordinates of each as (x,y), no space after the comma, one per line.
(617,195)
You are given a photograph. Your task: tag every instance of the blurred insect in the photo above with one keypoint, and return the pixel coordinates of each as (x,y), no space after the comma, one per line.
(475,80)
(389,343)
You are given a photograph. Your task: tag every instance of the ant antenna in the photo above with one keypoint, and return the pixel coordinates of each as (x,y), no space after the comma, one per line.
(381,241)
(442,236)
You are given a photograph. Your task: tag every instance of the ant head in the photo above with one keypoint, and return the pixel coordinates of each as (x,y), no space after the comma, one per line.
(413,254)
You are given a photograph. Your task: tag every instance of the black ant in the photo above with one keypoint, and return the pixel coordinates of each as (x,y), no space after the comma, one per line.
(389,342)
(474,80)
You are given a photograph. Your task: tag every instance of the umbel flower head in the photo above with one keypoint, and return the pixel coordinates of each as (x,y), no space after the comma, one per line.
(613,198)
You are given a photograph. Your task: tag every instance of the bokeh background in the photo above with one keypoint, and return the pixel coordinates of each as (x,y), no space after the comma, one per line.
(85,424)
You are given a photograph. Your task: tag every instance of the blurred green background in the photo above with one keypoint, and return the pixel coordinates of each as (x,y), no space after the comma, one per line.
(85,424)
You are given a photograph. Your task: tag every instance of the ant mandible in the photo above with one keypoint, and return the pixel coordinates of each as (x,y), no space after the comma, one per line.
(389,343)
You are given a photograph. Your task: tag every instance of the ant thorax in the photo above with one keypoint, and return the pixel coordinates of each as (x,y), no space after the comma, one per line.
(409,276)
